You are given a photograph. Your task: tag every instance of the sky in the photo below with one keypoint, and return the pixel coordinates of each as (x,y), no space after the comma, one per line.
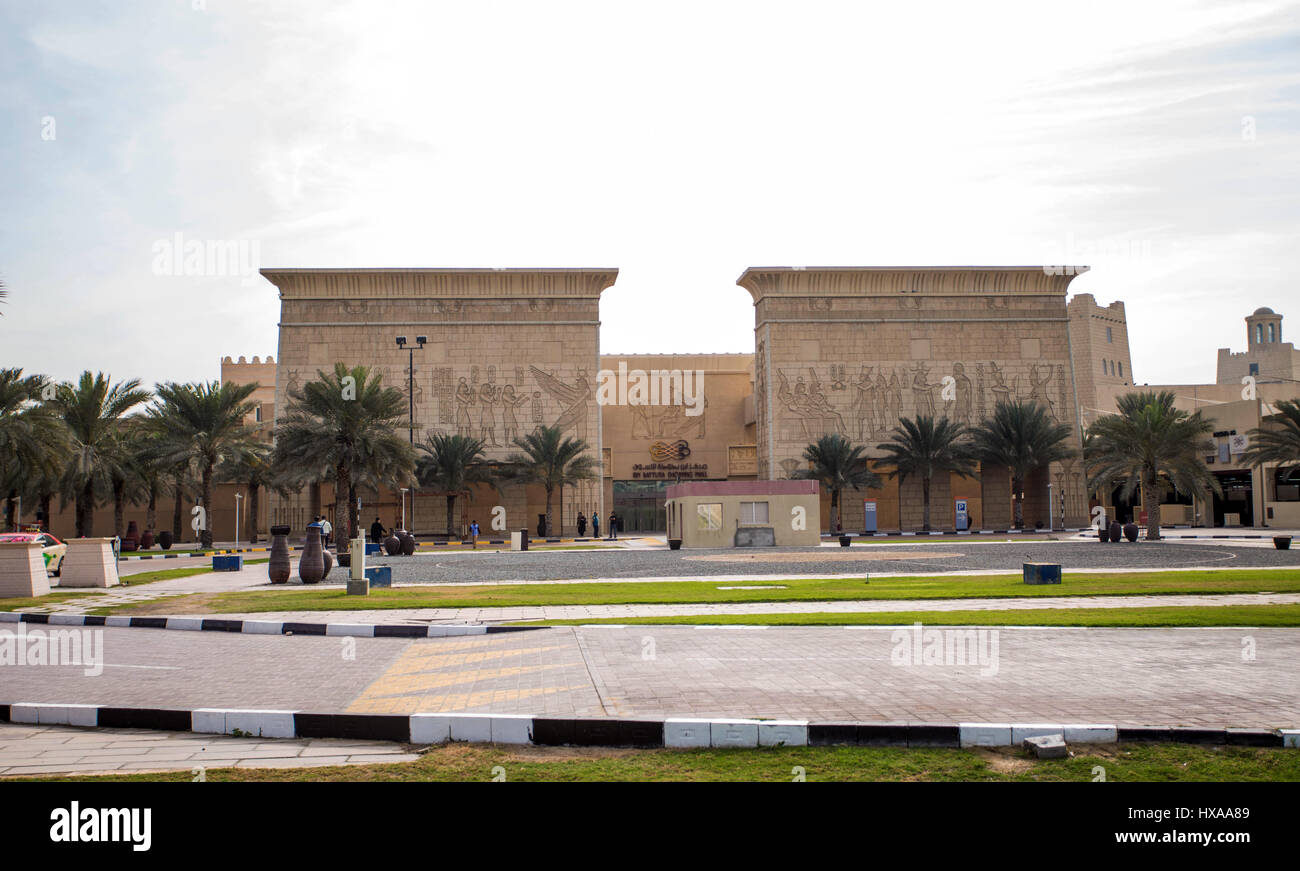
(1155,142)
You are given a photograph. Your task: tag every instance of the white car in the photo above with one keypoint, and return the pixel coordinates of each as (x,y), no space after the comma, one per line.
(52,549)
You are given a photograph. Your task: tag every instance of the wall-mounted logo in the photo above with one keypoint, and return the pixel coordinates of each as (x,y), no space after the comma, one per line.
(665,452)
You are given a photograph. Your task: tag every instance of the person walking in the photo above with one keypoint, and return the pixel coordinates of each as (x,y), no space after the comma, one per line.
(473,534)
(595,525)
(325,529)
(582,524)
(613,526)
(377,531)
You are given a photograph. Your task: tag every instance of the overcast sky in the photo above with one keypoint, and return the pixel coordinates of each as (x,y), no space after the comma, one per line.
(679,141)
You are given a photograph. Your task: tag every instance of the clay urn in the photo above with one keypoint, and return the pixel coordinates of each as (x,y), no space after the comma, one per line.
(393,545)
(408,542)
(329,562)
(311,565)
(278,568)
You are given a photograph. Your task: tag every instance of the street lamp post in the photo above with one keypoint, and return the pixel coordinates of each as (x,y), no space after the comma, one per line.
(238,496)
(410,393)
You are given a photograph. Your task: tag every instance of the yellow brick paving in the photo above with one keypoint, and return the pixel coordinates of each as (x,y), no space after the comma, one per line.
(501,673)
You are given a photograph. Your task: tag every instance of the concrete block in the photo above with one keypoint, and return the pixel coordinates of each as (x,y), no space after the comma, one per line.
(22,570)
(89,562)
(117,621)
(1290,738)
(356,630)
(512,728)
(1047,746)
(39,713)
(733,733)
(788,733)
(262,627)
(358,588)
(10,617)
(262,724)
(471,727)
(985,734)
(192,624)
(430,729)
(67,620)
(1090,734)
(1021,731)
(687,732)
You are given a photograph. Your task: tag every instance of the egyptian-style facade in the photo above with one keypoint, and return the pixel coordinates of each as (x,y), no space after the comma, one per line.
(837,350)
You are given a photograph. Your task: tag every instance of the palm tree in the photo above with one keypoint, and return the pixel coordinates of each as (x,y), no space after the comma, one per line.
(1150,444)
(203,422)
(31,440)
(346,421)
(91,410)
(1278,443)
(838,465)
(449,465)
(552,459)
(926,447)
(1022,437)
(125,470)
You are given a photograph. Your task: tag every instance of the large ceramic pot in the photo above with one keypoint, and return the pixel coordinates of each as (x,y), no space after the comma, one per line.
(329,562)
(1131,531)
(1282,542)
(674,544)
(132,532)
(393,545)
(129,544)
(279,569)
(1115,531)
(408,542)
(146,539)
(311,565)
(165,539)
(1103,534)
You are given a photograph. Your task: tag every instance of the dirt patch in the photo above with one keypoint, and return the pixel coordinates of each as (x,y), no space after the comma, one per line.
(1004,760)
(569,754)
(824,556)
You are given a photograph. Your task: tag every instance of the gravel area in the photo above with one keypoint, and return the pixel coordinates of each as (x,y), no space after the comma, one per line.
(931,558)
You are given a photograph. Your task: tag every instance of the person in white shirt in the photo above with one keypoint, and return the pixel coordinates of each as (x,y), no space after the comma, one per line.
(325,529)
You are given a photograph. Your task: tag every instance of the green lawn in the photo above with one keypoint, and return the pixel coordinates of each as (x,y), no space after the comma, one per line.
(476,762)
(1226,615)
(894,588)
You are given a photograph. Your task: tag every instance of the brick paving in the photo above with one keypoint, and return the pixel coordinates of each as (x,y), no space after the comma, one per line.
(1131,676)
(41,750)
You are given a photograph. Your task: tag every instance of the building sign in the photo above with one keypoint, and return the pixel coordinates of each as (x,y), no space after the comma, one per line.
(869,512)
(742,460)
(960,516)
(1237,444)
(670,471)
(662,452)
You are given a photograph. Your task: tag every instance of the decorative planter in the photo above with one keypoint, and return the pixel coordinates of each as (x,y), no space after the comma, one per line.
(89,562)
(1282,542)
(1103,534)
(1115,531)
(674,544)
(132,535)
(278,568)
(844,540)
(329,563)
(1131,531)
(129,544)
(146,539)
(165,539)
(392,545)
(311,565)
(408,542)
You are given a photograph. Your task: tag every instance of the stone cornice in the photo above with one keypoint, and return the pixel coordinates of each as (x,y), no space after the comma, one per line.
(864,281)
(440,283)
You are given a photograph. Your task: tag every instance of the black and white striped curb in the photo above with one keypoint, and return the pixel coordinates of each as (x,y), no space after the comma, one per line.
(263,627)
(673,732)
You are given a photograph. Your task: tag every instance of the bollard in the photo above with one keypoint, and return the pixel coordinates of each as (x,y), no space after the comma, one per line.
(358,583)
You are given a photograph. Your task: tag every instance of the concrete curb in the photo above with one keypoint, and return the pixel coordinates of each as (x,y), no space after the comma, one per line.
(677,732)
(263,627)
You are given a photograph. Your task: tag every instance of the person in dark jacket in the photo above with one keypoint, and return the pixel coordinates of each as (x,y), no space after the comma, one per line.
(613,526)
(377,532)
(582,524)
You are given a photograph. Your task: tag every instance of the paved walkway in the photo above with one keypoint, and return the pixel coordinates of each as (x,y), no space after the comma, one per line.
(852,606)
(1198,677)
(40,750)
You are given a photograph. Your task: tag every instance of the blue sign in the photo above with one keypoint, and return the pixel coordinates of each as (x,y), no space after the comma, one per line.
(869,512)
(960,517)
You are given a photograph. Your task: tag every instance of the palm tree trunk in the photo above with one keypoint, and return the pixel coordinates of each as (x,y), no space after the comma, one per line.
(46,498)
(925,504)
(1018,485)
(835,511)
(11,511)
(86,510)
(549,490)
(151,512)
(205,535)
(253,490)
(343,491)
(177,512)
(1151,505)
(119,508)
(451,507)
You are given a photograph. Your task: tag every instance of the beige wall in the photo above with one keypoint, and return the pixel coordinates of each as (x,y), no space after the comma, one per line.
(1096,354)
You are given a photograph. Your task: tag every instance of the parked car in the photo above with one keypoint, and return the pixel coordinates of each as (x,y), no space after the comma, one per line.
(52,549)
